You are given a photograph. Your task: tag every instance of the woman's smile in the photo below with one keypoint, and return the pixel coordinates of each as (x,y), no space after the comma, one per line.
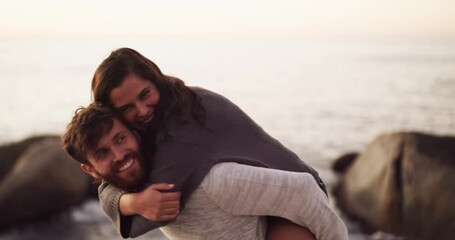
(136,99)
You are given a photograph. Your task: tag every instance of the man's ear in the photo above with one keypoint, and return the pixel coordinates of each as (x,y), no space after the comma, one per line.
(90,170)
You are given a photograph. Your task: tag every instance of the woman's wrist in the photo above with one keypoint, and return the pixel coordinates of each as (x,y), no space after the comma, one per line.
(127,204)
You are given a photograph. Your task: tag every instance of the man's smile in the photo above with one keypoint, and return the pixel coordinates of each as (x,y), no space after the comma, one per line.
(126,164)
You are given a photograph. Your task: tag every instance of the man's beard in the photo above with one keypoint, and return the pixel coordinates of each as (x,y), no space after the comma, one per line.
(134,180)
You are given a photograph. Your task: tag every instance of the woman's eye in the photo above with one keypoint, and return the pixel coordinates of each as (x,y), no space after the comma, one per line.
(124,109)
(145,94)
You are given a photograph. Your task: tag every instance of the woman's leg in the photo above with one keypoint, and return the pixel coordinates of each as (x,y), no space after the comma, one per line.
(246,190)
(283,229)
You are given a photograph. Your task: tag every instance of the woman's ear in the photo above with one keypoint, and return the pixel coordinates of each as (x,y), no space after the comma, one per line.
(90,170)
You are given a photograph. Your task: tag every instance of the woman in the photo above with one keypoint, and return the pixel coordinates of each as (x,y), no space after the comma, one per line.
(195,132)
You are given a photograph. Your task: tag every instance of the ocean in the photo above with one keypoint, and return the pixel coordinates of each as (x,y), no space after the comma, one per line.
(319,98)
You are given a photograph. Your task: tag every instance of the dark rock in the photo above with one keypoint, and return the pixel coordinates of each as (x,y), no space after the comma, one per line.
(402,183)
(38,180)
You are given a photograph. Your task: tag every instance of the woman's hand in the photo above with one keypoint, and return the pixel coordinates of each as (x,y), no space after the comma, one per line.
(151,203)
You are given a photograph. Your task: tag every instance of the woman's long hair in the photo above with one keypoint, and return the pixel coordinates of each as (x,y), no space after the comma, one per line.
(175,96)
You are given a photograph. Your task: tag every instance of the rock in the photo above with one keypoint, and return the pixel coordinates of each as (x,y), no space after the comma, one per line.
(9,153)
(38,179)
(402,183)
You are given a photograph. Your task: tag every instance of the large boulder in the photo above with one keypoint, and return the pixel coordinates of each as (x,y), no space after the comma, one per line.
(9,153)
(38,179)
(402,183)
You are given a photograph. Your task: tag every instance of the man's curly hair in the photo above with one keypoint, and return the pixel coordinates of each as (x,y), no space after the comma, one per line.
(85,130)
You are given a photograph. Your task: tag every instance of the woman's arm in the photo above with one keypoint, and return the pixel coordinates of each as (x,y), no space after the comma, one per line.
(125,209)
(151,203)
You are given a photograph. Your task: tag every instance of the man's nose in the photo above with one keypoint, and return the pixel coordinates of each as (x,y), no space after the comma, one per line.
(117,154)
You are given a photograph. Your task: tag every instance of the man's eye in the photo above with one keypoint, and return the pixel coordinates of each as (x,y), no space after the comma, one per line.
(121,138)
(101,154)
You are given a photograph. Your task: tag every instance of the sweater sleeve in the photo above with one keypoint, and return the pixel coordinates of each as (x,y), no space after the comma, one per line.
(126,226)
(245,190)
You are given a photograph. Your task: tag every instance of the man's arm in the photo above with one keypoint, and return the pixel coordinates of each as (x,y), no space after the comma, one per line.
(123,208)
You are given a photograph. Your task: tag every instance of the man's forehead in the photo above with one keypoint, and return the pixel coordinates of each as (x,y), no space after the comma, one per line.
(118,124)
(117,127)
(109,134)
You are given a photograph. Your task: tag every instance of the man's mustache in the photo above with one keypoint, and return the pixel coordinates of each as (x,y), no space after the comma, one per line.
(127,156)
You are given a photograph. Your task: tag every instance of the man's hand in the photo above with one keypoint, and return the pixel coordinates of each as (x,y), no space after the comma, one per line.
(151,203)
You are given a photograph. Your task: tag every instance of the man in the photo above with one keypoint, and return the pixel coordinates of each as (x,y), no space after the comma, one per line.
(109,151)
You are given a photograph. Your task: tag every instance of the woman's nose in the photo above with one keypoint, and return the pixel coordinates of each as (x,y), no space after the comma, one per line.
(142,110)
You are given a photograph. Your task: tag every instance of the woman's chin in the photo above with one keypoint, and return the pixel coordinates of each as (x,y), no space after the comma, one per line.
(140,126)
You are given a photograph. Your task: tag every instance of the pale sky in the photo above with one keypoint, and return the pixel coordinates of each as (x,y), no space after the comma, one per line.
(233,18)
